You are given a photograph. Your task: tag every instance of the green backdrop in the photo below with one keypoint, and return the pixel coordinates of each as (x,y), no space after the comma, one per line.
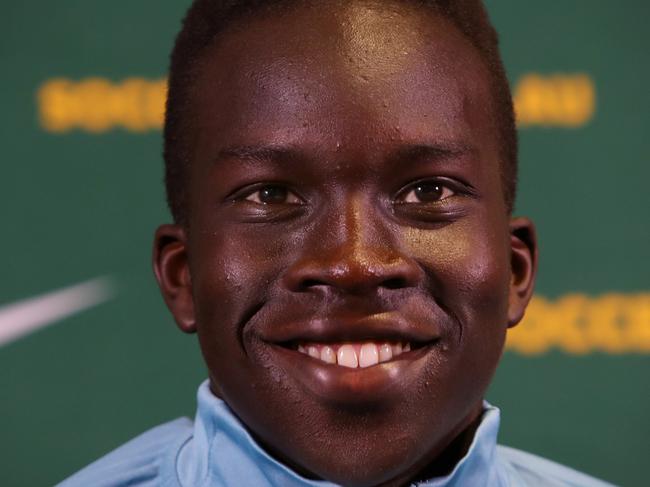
(81,194)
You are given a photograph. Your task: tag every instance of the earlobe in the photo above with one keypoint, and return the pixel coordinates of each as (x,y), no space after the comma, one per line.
(171,267)
(523,264)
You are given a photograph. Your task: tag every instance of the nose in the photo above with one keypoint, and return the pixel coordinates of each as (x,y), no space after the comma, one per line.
(353,250)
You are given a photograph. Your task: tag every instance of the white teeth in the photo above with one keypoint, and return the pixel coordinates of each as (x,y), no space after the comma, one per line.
(347,357)
(385,352)
(359,355)
(368,355)
(327,355)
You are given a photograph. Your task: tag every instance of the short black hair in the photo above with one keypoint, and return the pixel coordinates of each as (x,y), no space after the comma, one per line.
(206,19)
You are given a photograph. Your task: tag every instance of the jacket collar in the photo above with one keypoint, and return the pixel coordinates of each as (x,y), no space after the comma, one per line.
(221,452)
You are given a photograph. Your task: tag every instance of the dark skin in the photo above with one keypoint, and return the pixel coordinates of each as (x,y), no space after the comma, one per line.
(346,188)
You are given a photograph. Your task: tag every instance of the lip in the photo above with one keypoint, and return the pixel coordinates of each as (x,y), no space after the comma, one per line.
(342,385)
(377,384)
(380,327)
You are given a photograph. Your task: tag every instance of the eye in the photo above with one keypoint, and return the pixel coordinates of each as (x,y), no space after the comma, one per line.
(273,194)
(426,192)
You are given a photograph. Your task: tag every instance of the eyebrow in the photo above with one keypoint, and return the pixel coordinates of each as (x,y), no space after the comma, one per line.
(278,154)
(265,153)
(432,152)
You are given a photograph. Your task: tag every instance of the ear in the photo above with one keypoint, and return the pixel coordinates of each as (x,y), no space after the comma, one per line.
(171,267)
(523,265)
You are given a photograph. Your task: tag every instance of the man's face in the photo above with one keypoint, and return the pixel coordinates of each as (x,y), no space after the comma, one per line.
(346,202)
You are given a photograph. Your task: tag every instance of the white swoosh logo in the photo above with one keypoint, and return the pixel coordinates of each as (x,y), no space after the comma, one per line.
(23,317)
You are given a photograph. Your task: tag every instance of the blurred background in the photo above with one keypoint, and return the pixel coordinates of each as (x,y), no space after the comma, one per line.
(89,356)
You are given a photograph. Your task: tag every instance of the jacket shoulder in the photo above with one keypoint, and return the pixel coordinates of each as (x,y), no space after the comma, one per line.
(139,462)
(532,470)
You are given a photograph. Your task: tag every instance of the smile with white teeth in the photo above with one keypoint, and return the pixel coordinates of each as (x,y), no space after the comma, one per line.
(354,355)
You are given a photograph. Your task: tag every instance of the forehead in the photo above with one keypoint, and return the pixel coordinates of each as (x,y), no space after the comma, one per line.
(361,75)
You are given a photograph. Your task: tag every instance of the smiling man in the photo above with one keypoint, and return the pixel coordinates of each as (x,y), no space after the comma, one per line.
(341,176)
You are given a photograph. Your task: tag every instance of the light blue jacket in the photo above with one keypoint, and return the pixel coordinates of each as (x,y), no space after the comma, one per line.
(217,451)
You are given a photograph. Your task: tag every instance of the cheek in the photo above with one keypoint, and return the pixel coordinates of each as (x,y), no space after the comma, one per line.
(468,266)
(228,281)
(230,270)
(224,289)
(232,277)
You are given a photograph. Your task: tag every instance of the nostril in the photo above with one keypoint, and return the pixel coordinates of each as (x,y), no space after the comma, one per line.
(395,283)
(307,283)
(353,276)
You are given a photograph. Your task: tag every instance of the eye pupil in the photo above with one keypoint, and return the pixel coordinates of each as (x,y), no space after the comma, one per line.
(428,191)
(273,194)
